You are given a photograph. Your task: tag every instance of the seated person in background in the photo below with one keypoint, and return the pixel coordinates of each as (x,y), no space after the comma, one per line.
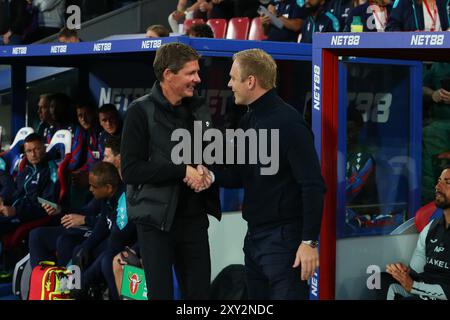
(44,115)
(45,241)
(60,114)
(67,35)
(88,121)
(200,31)
(157,31)
(248,8)
(217,9)
(38,179)
(428,274)
(111,123)
(186,9)
(436,125)
(6,183)
(112,230)
(341,10)
(291,15)
(361,189)
(415,15)
(373,14)
(319,19)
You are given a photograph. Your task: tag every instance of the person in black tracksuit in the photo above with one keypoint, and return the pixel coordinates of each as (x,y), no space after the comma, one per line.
(283,209)
(171,219)
(428,274)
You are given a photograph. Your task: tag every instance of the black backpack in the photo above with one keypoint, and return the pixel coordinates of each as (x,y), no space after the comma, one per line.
(230,284)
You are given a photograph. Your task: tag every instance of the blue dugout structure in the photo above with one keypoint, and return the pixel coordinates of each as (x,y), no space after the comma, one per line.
(392,126)
(386,92)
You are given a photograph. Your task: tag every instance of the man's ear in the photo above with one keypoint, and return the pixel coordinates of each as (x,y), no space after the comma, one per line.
(167,74)
(251,82)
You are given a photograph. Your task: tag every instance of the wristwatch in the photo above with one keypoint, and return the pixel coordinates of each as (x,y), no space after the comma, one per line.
(311,243)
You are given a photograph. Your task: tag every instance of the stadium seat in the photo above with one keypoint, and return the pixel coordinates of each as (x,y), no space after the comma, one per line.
(425,214)
(219,27)
(13,155)
(256,30)
(189,22)
(238,28)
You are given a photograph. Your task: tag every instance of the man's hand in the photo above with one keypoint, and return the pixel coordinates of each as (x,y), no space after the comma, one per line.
(178,15)
(8,211)
(198,179)
(6,37)
(271,8)
(441,95)
(51,210)
(206,6)
(308,258)
(445,96)
(265,20)
(400,272)
(73,220)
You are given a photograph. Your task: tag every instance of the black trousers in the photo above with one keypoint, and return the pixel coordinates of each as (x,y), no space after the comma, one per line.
(269,256)
(186,247)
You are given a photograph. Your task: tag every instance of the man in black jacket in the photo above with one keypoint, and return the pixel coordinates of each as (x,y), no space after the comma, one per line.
(171,219)
(283,209)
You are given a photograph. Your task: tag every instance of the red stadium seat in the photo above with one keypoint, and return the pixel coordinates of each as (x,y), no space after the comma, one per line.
(189,22)
(219,27)
(238,28)
(256,30)
(423,215)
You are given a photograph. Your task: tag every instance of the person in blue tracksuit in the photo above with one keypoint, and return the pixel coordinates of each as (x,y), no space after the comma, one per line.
(319,20)
(112,230)
(38,179)
(414,15)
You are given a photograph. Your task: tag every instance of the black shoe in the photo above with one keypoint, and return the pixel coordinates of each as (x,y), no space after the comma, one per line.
(79,294)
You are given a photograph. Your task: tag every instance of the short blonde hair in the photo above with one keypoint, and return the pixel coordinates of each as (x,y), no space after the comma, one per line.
(257,63)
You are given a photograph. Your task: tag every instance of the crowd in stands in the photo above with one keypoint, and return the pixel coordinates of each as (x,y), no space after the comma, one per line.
(295,21)
(28,21)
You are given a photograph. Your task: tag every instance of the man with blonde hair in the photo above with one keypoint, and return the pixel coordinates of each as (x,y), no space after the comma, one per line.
(283,210)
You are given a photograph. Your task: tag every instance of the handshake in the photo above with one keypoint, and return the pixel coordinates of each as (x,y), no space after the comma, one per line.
(199,178)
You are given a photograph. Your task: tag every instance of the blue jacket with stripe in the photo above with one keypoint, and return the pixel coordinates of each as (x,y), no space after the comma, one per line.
(35,181)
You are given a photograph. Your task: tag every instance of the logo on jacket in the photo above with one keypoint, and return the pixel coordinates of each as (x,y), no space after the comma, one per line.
(439,249)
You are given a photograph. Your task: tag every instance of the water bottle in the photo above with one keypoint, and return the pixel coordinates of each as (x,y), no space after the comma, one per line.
(357,25)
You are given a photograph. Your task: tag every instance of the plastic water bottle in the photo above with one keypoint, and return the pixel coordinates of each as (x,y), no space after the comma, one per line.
(357,25)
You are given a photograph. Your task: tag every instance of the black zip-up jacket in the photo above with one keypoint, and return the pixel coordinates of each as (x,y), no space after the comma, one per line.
(295,192)
(146,159)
